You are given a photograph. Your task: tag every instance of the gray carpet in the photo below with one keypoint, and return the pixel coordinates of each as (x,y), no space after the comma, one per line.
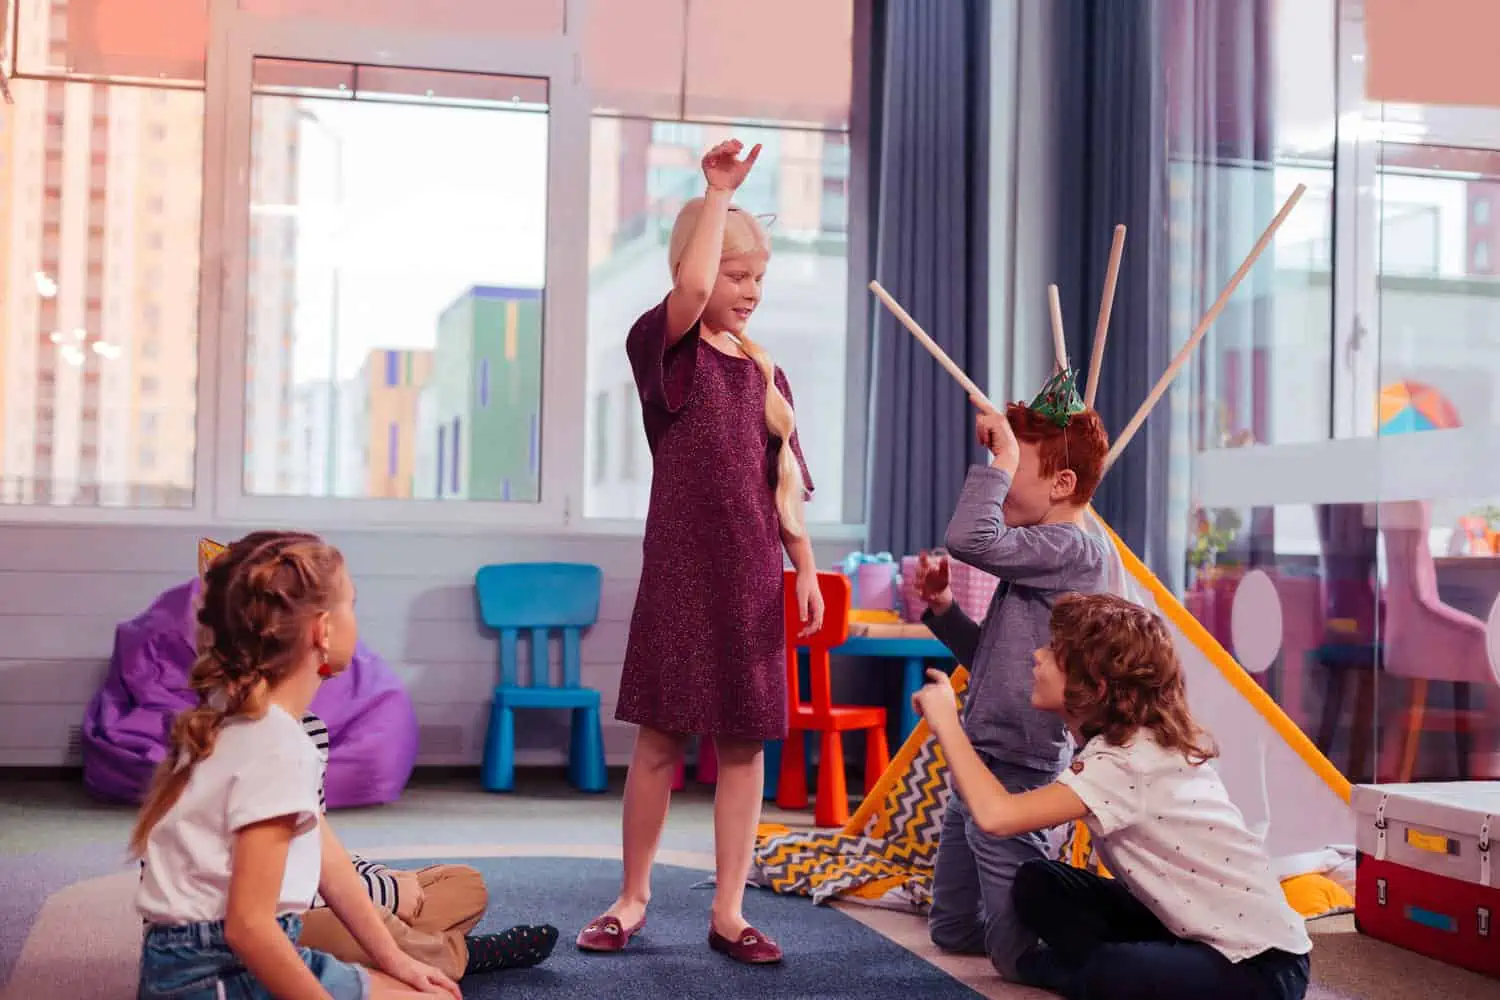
(828,955)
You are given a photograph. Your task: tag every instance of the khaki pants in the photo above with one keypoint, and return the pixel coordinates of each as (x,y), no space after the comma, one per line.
(453,900)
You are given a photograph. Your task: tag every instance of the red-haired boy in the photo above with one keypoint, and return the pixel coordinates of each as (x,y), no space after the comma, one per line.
(1020,518)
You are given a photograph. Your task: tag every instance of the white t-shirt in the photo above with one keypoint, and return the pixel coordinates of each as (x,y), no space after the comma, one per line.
(259,769)
(1168,831)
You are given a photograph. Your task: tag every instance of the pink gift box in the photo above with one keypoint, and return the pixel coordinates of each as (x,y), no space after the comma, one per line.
(973,589)
(875,586)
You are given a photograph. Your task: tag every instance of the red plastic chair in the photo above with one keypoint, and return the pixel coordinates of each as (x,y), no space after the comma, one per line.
(820,715)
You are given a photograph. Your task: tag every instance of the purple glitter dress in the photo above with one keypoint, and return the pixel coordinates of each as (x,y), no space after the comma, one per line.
(707,648)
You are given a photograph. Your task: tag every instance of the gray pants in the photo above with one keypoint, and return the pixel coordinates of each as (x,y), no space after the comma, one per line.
(972,912)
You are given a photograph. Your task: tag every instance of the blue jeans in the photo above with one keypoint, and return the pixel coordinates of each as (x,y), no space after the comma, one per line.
(193,962)
(972,912)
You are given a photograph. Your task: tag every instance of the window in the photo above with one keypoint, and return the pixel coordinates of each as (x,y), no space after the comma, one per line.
(602,431)
(388,238)
(39,293)
(453,465)
(1482,211)
(392,215)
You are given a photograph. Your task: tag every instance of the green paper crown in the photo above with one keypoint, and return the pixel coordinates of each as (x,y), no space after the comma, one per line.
(1059,398)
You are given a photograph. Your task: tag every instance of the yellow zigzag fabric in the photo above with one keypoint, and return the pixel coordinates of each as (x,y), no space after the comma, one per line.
(885,854)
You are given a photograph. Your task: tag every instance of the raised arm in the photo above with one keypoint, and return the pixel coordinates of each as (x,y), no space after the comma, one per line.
(696,272)
(996,810)
(1043,555)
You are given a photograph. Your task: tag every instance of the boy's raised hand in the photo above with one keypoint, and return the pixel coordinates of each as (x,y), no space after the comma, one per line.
(993,429)
(933,582)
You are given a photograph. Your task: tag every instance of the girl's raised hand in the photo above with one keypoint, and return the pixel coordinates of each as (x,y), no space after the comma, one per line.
(724,169)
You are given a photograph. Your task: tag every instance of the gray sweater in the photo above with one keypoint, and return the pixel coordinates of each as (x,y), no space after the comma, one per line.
(1036,565)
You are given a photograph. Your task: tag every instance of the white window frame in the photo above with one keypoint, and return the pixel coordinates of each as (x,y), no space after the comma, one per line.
(236,38)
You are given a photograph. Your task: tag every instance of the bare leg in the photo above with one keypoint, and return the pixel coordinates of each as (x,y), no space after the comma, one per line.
(737,800)
(648,794)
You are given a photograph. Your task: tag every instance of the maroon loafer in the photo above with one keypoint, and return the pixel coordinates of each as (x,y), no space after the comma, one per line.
(751,947)
(605,934)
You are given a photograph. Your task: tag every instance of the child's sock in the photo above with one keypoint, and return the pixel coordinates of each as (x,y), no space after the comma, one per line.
(520,947)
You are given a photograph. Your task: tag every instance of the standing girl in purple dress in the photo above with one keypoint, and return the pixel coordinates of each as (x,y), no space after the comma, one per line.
(707,649)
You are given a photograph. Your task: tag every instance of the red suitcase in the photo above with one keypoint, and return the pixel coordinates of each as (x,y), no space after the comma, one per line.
(1426,877)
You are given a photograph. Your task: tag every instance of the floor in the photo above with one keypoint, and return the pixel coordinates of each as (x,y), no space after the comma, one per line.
(52,836)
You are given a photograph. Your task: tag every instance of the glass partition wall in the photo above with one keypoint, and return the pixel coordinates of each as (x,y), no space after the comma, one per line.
(1334,438)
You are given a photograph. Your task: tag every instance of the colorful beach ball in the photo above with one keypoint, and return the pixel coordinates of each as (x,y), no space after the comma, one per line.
(1408,406)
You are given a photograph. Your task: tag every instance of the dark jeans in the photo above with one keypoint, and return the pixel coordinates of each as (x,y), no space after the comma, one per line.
(1100,943)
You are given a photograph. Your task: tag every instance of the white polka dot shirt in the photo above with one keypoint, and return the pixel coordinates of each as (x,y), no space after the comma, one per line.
(1167,830)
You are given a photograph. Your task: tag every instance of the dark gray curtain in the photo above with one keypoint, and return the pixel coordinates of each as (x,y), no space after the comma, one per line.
(930,196)
(1109,140)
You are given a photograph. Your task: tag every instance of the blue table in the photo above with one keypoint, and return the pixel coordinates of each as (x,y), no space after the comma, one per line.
(915,651)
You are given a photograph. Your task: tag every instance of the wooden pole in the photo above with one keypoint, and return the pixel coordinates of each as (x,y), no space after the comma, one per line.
(1059,345)
(932,348)
(1106,306)
(1201,329)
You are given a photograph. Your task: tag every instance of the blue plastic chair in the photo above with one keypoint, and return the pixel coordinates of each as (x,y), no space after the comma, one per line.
(537,598)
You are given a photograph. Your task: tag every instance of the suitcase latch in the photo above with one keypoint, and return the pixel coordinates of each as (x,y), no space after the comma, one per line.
(1484,852)
(1380,891)
(1380,828)
(1484,921)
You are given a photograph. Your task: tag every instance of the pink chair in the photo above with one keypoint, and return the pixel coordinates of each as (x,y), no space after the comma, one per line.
(1425,640)
(707,770)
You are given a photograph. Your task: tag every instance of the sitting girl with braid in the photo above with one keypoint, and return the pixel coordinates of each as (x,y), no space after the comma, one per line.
(230,831)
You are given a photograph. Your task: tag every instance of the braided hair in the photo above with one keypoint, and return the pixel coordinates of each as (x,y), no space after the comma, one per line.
(259,598)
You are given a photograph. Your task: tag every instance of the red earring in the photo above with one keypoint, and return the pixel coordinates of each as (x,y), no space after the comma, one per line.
(325,670)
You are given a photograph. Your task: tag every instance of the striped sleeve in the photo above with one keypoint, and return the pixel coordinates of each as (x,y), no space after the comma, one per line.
(380,882)
(317,731)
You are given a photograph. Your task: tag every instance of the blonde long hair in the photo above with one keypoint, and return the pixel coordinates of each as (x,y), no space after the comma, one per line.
(259,598)
(743,234)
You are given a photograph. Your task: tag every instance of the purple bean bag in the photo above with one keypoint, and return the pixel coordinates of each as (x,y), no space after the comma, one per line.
(372,727)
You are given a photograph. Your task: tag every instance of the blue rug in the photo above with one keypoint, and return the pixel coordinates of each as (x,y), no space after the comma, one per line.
(827,953)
